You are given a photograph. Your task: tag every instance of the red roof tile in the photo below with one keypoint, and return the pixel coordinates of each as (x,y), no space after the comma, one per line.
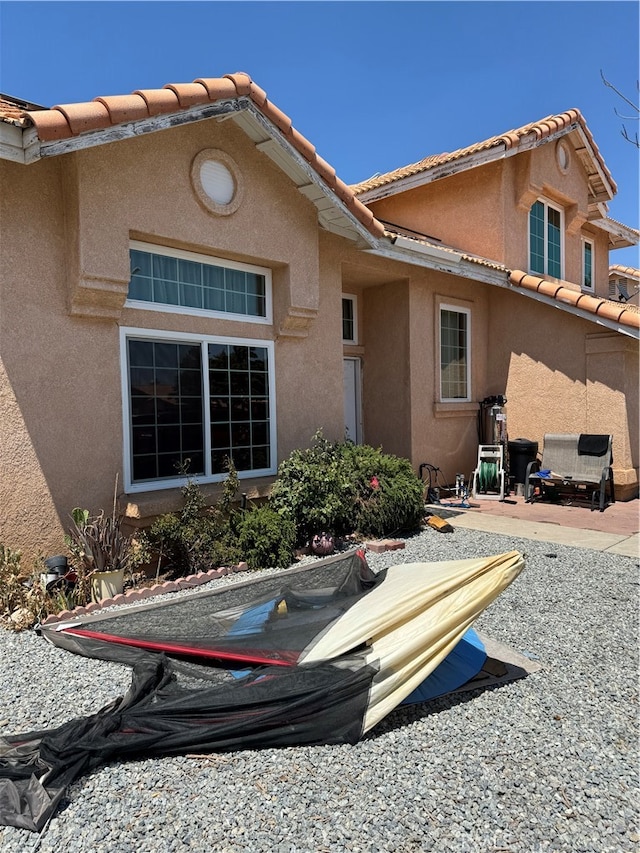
(627,272)
(125,107)
(619,312)
(83,117)
(69,120)
(511,139)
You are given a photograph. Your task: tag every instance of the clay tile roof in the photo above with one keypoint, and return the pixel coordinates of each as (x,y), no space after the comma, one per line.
(123,108)
(189,94)
(508,140)
(83,117)
(12,113)
(69,120)
(627,272)
(619,312)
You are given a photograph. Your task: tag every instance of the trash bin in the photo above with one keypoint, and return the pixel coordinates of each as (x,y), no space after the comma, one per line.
(521,452)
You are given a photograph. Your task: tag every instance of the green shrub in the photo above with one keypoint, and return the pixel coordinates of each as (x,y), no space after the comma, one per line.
(346,488)
(266,538)
(312,488)
(198,538)
(389,497)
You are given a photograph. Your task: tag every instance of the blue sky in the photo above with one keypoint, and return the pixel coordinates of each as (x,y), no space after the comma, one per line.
(374,85)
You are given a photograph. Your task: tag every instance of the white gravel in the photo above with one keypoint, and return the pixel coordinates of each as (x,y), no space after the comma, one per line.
(548,763)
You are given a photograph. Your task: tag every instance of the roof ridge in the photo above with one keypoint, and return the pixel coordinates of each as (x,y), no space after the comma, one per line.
(542,128)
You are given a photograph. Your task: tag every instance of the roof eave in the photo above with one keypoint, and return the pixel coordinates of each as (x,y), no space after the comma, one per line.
(620,236)
(499,151)
(24,146)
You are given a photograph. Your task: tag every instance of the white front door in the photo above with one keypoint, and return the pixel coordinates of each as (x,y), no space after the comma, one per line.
(352,403)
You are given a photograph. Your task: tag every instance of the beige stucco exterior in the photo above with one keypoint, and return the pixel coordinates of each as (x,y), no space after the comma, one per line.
(66,225)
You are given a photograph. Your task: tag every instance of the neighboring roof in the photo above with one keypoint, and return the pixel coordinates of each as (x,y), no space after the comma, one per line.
(621,313)
(626,272)
(522,138)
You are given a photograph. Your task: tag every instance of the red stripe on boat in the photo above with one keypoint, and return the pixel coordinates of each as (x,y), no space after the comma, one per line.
(283,658)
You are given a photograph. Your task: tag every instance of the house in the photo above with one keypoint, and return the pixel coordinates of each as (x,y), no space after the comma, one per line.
(624,283)
(184,277)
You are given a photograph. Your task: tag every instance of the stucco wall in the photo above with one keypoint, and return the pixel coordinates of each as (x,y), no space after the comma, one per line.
(561,375)
(485,210)
(65,248)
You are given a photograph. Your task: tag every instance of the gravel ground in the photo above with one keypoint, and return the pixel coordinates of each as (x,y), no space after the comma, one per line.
(547,763)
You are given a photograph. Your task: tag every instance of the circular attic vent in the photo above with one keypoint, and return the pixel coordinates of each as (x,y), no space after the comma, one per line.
(217,181)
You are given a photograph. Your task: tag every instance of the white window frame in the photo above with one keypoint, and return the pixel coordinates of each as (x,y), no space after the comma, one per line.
(587,242)
(458,309)
(127,332)
(350,297)
(547,206)
(180,254)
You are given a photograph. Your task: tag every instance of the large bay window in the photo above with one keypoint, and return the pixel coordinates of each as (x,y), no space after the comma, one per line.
(545,239)
(190,402)
(455,352)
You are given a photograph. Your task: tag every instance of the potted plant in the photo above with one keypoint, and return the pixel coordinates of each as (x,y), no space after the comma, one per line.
(101,552)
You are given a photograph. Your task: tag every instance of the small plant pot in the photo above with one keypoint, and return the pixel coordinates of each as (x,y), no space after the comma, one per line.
(323,544)
(106,584)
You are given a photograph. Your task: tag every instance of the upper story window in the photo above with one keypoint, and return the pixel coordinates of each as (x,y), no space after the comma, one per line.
(184,282)
(587,264)
(191,401)
(455,354)
(545,239)
(349,320)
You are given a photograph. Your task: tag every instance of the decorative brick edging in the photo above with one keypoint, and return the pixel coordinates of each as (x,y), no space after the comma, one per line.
(379,546)
(134,595)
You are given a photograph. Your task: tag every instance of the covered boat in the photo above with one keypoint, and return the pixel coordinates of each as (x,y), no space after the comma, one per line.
(315,655)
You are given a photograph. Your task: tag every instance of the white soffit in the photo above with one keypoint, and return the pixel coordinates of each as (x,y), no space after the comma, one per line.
(332,213)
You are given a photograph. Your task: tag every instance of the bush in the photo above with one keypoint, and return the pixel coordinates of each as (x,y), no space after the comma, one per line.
(23,599)
(198,538)
(347,488)
(266,538)
(312,489)
(389,496)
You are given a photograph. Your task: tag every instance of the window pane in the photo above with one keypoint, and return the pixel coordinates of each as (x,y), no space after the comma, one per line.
(588,261)
(348,325)
(553,249)
(193,284)
(453,354)
(163,412)
(239,384)
(536,238)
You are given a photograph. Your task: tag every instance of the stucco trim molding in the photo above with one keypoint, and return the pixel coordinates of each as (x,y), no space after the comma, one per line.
(99,297)
(455,410)
(297,322)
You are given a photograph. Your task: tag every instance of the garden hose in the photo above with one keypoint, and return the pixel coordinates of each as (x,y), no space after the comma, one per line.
(488,477)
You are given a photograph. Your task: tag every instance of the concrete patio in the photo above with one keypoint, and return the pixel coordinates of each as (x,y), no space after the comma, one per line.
(617,529)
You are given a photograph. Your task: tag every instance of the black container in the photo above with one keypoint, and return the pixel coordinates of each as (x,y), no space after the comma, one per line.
(57,565)
(521,453)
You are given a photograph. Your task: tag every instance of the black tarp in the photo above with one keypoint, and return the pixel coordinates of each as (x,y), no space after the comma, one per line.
(220,670)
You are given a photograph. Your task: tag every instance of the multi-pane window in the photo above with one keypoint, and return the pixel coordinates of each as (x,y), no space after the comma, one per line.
(349,328)
(190,404)
(587,264)
(545,240)
(183,281)
(454,353)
